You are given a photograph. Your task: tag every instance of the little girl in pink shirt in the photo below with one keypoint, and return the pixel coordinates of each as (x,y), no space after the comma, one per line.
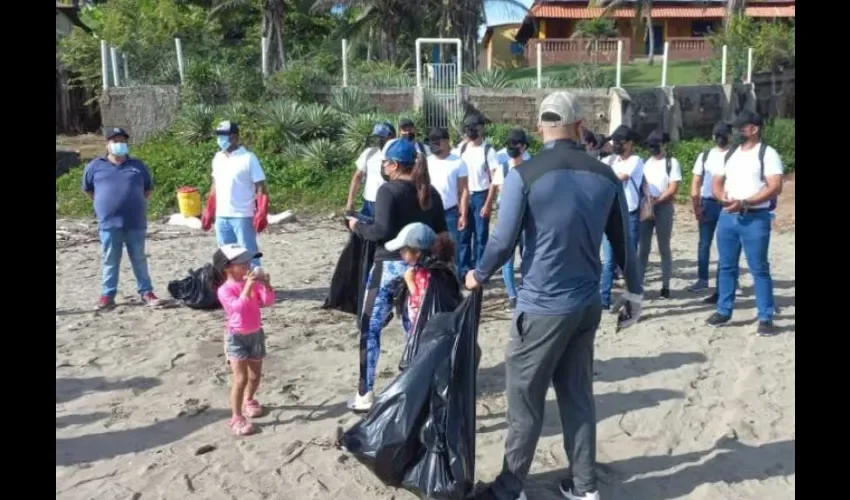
(242,296)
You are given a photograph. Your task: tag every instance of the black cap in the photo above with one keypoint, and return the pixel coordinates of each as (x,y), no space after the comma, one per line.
(227,127)
(474,120)
(517,135)
(406,122)
(624,133)
(115,132)
(590,138)
(658,137)
(438,134)
(747,117)
(721,128)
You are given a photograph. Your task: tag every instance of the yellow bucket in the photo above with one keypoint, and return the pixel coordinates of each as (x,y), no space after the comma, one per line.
(189,201)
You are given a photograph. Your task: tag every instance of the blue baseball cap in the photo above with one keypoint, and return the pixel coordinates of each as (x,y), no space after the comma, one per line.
(381,130)
(401,151)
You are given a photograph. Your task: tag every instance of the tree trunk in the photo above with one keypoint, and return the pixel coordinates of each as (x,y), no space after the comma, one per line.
(369,44)
(650,33)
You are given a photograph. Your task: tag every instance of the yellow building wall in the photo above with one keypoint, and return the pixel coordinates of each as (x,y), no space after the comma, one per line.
(499,48)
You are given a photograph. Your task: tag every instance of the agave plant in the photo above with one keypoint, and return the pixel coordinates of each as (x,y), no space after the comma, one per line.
(282,123)
(322,154)
(357,132)
(493,79)
(195,123)
(319,122)
(351,101)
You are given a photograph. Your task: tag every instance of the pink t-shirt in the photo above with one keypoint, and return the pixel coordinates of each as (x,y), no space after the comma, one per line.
(243,315)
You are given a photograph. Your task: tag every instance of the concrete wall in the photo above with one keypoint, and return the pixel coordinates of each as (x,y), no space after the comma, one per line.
(140,111)
(521,106)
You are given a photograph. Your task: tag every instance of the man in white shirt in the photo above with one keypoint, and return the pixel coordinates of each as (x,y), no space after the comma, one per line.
(628,167)
(369,165)
(407,130)
(481,163)
(662,175)
(745,185)
(706,207)
(449,177)
(238,201)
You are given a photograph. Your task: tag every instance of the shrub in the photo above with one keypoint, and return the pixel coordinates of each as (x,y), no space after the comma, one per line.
(351,101)
(298,82)
(780,134)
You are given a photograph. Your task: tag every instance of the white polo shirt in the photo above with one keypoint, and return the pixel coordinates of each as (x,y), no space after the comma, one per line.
(633,167)
(655,173)
(743,173)
(473,156)
(444,173)
(234,176)
(369,162)
(419,146)
(713,162)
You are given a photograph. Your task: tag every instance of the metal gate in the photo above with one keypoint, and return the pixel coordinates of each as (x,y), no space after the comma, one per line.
(441,101)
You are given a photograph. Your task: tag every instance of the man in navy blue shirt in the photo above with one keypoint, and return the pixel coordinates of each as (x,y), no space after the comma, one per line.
(119,186)
(564,200)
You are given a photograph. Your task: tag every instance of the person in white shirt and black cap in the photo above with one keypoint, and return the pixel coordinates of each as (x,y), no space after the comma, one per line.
(628,167)
(369,165)
(407,131)
(662,174)
(745,185)
(448,176)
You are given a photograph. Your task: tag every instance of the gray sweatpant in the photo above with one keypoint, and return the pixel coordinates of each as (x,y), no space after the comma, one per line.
(662,225)
(543,349)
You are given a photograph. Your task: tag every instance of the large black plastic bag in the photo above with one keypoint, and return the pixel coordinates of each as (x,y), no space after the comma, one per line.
(420,432)
(348,283)
(443,295)
(198,290)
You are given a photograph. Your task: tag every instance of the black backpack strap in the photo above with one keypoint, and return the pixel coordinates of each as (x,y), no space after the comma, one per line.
(705,158)
(729,154)
(669,165)
(463,147)
(762,150)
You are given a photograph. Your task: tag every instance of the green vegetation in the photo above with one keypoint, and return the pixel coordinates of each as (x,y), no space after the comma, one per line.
(636,74)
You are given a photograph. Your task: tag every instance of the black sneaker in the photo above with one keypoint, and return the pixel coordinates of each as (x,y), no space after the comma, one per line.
(766,329)
(512,303)
(665,293)
(711,299)
(717,319)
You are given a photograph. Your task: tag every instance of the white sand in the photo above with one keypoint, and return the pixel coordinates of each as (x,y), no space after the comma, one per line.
(684,411)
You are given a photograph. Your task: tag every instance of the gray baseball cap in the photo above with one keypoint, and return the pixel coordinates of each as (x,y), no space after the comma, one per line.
(416,235)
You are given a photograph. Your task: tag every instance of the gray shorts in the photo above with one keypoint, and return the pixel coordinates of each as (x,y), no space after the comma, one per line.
(242,346)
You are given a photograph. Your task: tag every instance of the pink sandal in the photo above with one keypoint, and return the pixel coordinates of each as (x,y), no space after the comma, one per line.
(240,426)
(252,408)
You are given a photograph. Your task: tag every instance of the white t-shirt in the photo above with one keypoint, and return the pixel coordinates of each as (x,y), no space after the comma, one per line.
(418,145)
(369,162)
(743,173)
(502,156)
(632,166)
(499,174)
(479,178)
(655,173)
(234,176)
(713,162)
(444,173)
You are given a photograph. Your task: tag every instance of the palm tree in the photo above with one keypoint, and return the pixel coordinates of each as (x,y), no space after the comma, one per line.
(386,18)
(734,8)
(643,20)
(273,15)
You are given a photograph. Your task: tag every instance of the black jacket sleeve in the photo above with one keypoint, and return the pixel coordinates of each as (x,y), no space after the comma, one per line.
(622,249)
(382,228)
(438,224)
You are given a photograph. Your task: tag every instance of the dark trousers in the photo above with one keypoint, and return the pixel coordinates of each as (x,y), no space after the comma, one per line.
(554,349)
(474,237)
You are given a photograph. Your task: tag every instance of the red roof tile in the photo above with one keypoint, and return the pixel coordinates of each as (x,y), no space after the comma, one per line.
(571,12)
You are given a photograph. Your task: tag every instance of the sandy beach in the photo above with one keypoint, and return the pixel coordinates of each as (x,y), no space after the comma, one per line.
(684,411)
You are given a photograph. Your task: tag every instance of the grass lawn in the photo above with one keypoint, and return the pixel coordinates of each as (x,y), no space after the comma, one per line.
(634,74)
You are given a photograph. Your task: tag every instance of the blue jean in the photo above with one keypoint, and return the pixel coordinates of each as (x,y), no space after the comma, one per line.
(608,264)
(384,278)
(508,269)
(368,208)
(710,213)
(750,232)
(237,230)
(471,251)
(452,216)
(112,242)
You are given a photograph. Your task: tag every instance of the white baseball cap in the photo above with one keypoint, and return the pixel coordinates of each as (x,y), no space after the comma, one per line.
(416,235)
(561,104)
(233,253)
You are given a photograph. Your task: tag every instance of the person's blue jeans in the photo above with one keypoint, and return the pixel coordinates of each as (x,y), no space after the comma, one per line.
(474,237)
(750,232)
(508,269)
(711,209)
(452,216)
(239,230)
(608,264)
(368,208)
(112,243)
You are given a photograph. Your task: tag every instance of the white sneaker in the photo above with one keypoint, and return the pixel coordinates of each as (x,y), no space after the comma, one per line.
(361,404)
(568,492)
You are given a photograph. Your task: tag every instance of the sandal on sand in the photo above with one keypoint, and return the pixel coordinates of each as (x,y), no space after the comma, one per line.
(240,426)
(252,408)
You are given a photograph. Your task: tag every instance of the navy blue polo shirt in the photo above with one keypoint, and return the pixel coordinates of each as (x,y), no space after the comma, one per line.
(119,192)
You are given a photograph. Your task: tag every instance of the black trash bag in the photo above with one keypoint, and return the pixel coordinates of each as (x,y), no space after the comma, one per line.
(348,283)
(198,290)
(420,432)
(443,295)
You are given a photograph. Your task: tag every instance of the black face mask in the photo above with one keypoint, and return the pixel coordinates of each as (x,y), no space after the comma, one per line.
(384,174)
(472,133)
(721,140)
(513,151)
(618,148)
(655,149)
(741,137)
(410,136)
